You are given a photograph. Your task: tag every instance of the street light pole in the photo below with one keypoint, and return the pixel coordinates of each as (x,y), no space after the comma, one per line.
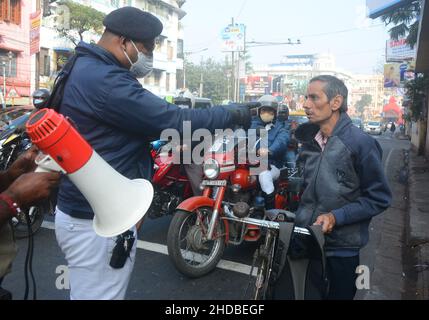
(10,56)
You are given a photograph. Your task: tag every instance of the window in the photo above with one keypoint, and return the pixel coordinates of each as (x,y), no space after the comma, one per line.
(167,82)
(10,11)
(157,76)
(180,53)
(45,62)
(114,3)
(179,78)
(170,51)
(61,59)
(9,58)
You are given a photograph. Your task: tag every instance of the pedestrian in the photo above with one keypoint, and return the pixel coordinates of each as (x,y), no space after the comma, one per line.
(344,181)
(19,191)
(118,117)
(392,129)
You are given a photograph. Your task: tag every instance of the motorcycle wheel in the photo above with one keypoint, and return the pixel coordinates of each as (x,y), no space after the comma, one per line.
(266,256)
(190,253)
(19,224)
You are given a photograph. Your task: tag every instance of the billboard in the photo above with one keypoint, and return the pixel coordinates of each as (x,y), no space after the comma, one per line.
(398,51)
(233,38)
(35,21)
(258,86)
(392,77)
(377,8)
(396,74)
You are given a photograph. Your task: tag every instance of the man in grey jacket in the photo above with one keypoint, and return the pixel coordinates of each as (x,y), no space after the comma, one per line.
(344,181)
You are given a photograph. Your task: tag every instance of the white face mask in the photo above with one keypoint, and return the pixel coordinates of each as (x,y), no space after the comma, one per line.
(267,118)
(38,101)
(143,66)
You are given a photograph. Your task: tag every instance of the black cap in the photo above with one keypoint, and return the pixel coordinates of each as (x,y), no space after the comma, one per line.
(133,24)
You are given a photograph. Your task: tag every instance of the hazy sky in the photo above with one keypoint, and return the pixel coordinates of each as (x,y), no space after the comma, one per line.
(339,27)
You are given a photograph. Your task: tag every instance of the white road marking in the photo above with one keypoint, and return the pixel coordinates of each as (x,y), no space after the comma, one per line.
(162,249)
(387,160)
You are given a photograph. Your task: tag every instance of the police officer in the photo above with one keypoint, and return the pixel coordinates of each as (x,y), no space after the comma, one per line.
(118,117)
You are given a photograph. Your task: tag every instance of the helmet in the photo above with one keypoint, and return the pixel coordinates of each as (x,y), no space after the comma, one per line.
(283,113)
(184,99)
(40,98)
(268,101)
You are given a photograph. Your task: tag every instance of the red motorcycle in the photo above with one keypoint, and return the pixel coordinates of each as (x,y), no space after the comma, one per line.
(170,182)
(230,211)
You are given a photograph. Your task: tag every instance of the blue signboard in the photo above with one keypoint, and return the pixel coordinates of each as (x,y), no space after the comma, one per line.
(379,7)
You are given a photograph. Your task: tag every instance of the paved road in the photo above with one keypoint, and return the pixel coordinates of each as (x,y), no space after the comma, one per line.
(154,277)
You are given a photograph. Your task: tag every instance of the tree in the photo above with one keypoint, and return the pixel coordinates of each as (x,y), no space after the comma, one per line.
(81,19)
(415,93)
(406,22)
(213,74)
(364,101)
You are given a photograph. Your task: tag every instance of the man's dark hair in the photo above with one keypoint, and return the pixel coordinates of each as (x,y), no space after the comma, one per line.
(334,87)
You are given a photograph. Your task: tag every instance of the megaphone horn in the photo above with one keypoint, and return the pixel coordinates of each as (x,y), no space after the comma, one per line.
(118,203)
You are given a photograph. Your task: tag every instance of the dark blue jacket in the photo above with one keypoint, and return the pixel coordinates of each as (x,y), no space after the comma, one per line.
(278,140)
(118,117)
(347,179)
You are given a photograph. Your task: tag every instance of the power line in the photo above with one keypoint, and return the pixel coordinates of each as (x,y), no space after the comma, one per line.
(338,31)
(242,8)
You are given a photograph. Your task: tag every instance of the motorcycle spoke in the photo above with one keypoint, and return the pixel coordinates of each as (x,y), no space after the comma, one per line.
(195,249)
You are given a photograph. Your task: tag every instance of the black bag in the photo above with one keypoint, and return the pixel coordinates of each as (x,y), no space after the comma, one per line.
(298,270)
(56,97)
(5,295)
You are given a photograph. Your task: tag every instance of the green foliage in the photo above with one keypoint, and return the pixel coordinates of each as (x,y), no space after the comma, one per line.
(405,21)
(416,94)
(365,101)
(214,76)
(82,19)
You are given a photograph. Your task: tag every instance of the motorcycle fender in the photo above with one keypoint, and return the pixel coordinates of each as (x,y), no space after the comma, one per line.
(194,203)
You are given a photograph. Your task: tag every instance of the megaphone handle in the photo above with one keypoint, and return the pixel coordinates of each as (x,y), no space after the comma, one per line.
(46,164)
(41,169)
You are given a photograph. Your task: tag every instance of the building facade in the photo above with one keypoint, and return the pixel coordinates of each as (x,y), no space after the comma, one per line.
(372,85)
(291,76)
(168,55)
(16,65)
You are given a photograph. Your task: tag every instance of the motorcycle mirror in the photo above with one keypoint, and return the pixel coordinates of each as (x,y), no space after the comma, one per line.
(40,98)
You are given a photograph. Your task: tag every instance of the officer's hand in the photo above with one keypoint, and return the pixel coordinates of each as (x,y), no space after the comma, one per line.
(31,188)
(241,115)
(25,163)
(327,221)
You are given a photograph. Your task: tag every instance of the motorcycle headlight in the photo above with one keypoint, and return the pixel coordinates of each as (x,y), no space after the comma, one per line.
(211,169)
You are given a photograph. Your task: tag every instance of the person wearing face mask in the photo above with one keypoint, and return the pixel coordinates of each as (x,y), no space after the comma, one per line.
(118,117)
(278,139)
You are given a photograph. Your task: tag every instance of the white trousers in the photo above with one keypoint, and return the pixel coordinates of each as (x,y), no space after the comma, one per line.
(267,178)
(88,256)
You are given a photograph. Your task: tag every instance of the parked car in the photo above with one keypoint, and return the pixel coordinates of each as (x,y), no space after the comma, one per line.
(298,119)
(373,127)
(203,103)
(357,122)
